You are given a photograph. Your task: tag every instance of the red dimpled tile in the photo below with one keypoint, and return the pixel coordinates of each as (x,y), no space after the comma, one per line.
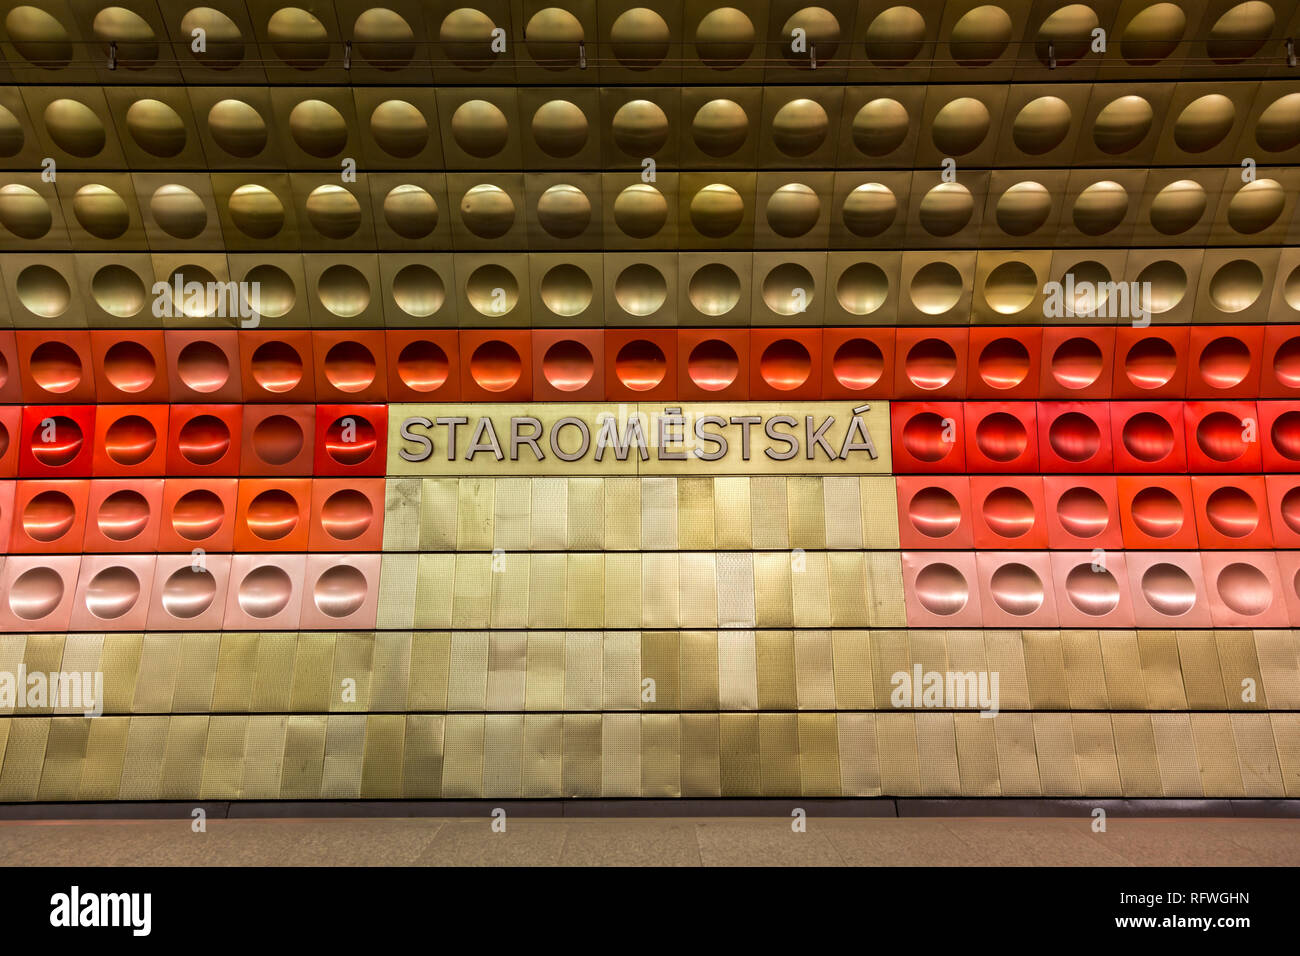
(1016,589)
(113,592)
(1157,511)
(1008,511)
(48,517)
(198,513)
(858,363)
(278,440)
(11,383)
(1231,511)
(189,592)
(203,366)
(347,514)
(351,439)
(130,440)
(568,365)
(1279,375)
(930,363)
(56,366)
(274,514)
(926,437)
(1077,362)
(265,591)
(7,489)
(941,589)
(1288,566)
(1279,433)
(342,591)
(640,365)
(204,439)
(712,364)
(1074,437)
(1001,437)
(1148,437)
(1092,589)
(785,363)
(38,591)
(1222,437)
(1005,363)
(11,428)
(350,365)
(123,514)
(496,365)
(1224,361)
(1245,589)
(1150,363)
(1082,511)
(934,511)
(57,441)
(423,365)
(277,366)
(1168,589)
(130,366)
(1284,509)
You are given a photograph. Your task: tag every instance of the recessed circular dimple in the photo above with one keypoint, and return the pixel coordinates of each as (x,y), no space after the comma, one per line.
(237,128)
(785,364)
(384,38)
(112,592)
(350,440)
(640,289)
(554,38)
(100,211)
(197,515)
(346,514)
(1041,125)
(333,211)
(1286,363)
(720,127)
(178,211)
(1003,363)
(858,364)
(24,211)
(1010,287)
(318,128)
(792,210)
(980,36)
(1023,208)
(1236,286)
(1204,123)
(1221,436)
(1178,206)
(55,367)
(880,127)
(188,592)
(466,36)
(960,126)
(343,290)
(224,44)
(202,366)
(946,209)
(1153,34)
(926,438)
(203,440)
(640,211)
(1157,512)
(74,128)
(788,289)
(930,364)
(559,129)
(1082,512)
(340,591)
(1232,512)
(1151,363)
(492,290)
(276,366)
(862,288)
(566,290)
(1016,589)
(487,211)
(1066,35)
(821,30)
(1147,437)
(418,290)
(156,127)
(895,37)
(1225,362)
(564,211)
(1290,509)
(640,365)
(265,591)
(1241,32)
(38,37)
(799,127)
(43,291)
(936,287)
(640,38)
(724,38)
(1100,208)
(277,440)
(273,291)
(35,593)
(1076,363)
(130,440)
(349,366)
(423,366)
(298,38)
(1256,206)
(137,46)
(1008,512)
(640,128)
(1122,124)
(272,514)
(1092,589)
(1001,437)
(1074,437)
(48,516)
(123,515)
(1286,435)
(410,211)
(1165,284)
(714,289)
(1244,588)
(256,211)
(1168,589)
(717,210)
(713,365)
(941,589)
(495,365)
(934,512)
(1278,127)
(869,210)
(568,365)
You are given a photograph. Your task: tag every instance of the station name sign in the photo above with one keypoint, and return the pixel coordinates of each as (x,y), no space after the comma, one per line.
(692,438)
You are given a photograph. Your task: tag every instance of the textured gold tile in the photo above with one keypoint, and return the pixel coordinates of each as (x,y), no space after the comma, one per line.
(462,768)
(467,676)
(623,590)
(1122,662)
(304,757)
(582,760)
(819,763)
(65,754)
(699,670)
(503,753)
(400,592)
(738,736)
(1216,755)
(810,589)
(1243,684)
(1286,731)
(660,755)
(621,670)
(1160,670)
(1058,769)
(264,757)
(1017,755)
(381,767)
(507,669)
(236,663)
(977,755)
(698,595)
(661,663)
(512,514)
(776,678)
(1198,657)
(145,743)
(273,678)
(345,740)
(101,772)
(701,758)
(20,776)
(1085,676)
(859,755)
(936,746)
(583,680)
(183,755)
(546,596)
(422,757)
(313,669)
(1176,755)
(731,504)
(1135,749)
(544,686)
(584,589)
(196,673)
(543,765)
(392,673)
(620,752)
(1279,668)
(1045,668)
(896,738)
(1094,747)
(695,521)
(586,524)
(354,655)
(1261,773)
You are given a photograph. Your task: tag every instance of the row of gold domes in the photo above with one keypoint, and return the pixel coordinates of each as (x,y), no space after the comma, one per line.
(617,210)
(581,36)
(812,288)
(588,128)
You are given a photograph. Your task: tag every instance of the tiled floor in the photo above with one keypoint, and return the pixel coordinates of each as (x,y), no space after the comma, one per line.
(720,841)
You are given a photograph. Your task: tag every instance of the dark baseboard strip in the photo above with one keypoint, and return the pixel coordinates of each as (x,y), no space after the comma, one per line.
(634,808)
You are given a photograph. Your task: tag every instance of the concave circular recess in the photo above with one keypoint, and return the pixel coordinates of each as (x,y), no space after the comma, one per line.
(1082,512)
(1286,435)
(272,514)
(1290,509)
(862,288)
(858,363)
(640,289)
(1286,363)
(340,591)
(934,512)
(423,366)
(35,593)
(55,367)
(129,367)
(265,591)
(123,515)
(63,444)
(930,364)
(1232,512)
(1168,589)
(495,365)
(1003,363)
(130,440)
(188,592)
(203,440)
(568,365)
(1147,437)
(785,364)
(350,440)
(1225,362)
(112,592)
(197,515)
(349,366)
(202,366)
(1076,363)
(941,589)
(713,365)
(1244,588)
(640,365)
(1157,512)
(278,439)
(48,516)
(277,366)
(1001,437)
(418,290)
(346,514)
(1074,437)
(1008,512)
(1017,589)
(1092,589)
(924,437)
(1221,436)
(1151,363)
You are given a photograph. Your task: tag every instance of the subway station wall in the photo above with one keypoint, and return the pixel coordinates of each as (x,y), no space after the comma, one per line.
(552,398)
